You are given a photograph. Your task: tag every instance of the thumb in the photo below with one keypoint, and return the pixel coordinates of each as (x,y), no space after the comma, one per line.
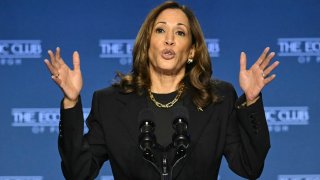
(243,61)
(76,61)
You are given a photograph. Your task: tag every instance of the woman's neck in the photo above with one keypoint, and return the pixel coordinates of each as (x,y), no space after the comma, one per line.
(163,84)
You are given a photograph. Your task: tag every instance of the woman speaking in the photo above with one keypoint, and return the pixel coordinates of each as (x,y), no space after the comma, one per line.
(167,118)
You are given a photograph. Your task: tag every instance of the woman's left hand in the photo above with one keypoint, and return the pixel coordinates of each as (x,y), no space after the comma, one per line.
(253,80)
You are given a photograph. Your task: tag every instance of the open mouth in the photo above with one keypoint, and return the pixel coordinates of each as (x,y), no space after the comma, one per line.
(167,54)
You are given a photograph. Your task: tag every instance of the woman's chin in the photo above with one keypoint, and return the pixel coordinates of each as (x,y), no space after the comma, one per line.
(167,70)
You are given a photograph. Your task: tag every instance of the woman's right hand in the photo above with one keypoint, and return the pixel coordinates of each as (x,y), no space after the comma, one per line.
(70,81)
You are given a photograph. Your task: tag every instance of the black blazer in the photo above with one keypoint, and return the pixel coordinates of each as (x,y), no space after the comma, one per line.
(240,134)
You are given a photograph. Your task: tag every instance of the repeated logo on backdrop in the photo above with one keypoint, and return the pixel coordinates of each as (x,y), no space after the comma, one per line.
(306,50)
(39,120)
(13,52)
(117,48)
(279,119)
(122,49)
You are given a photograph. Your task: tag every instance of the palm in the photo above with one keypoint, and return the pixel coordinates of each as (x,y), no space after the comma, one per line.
(253,80)
(70,81)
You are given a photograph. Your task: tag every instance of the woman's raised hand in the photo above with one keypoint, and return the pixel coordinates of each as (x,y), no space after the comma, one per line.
(253,80)
(70,81)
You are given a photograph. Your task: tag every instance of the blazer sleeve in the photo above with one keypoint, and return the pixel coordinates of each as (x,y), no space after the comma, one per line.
(247,140)
(82,155)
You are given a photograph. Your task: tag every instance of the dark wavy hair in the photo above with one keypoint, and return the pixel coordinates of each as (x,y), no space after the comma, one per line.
(198,74)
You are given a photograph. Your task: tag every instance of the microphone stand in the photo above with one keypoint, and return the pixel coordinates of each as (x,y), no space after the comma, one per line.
(165,174)
(164,168)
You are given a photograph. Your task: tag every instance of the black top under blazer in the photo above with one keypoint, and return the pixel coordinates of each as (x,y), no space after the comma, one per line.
(240,134)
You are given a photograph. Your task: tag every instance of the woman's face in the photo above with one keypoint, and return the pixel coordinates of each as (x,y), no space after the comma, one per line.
(171,43)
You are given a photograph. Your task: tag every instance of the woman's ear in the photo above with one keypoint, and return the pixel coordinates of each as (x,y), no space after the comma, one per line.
(192,51)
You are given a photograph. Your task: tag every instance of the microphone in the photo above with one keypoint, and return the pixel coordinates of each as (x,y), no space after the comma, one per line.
(181,138)
(147,139)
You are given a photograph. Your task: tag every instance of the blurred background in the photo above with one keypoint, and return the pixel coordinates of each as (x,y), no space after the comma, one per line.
(103,32)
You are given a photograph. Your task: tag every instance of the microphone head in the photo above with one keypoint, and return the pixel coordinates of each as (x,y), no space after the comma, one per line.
(180,138)
(146,116)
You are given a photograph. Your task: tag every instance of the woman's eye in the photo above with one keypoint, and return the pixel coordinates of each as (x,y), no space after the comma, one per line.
(159,30)
(181,33)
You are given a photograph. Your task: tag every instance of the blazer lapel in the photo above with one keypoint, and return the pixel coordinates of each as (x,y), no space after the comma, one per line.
(132,105)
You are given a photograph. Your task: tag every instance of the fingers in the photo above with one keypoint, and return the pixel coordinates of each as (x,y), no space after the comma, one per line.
(58,53)
(264,61)
(56,79)
(271,68)
(243,61)
(52,69)
(267,60)
(262,56)
(76,61)
(53,59)
(54,65)
(54,72)
(269,79)
(58,56)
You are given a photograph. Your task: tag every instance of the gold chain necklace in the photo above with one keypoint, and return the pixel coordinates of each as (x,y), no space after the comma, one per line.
(169,104)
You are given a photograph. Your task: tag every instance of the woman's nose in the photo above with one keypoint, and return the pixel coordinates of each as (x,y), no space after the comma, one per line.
(169,39)
(169,42)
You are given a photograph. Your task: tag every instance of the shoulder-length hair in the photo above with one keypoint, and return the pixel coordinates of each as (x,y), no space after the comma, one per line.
(198,74)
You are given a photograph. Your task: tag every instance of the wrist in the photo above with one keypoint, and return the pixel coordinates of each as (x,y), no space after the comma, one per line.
(252,101)
(69,103)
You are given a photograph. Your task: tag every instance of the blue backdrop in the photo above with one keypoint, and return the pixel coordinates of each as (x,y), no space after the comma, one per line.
(103,32)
